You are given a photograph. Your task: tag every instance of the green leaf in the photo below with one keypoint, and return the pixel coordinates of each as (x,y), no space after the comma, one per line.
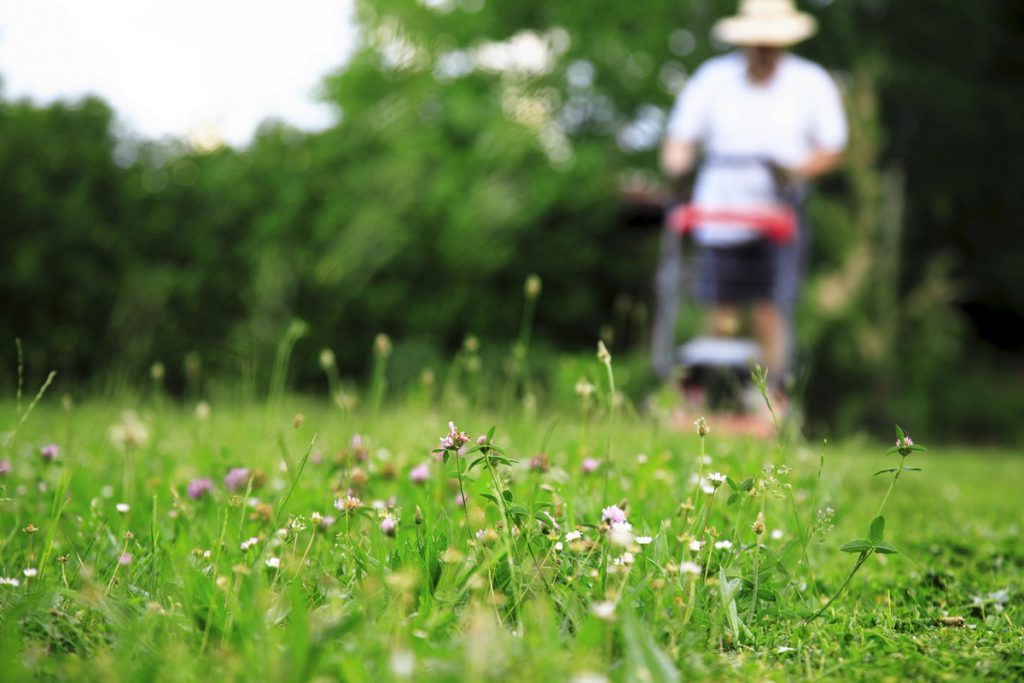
(918,447)
(887,469)
(747,484)
(476,462)
(899,433)
(856,546)
(733,497)
(885,549)
(507,495)
(877,532)
(913,469)
(490,433)
(892,449)
(490,497)
(444,459)
(518,510)
(731,483)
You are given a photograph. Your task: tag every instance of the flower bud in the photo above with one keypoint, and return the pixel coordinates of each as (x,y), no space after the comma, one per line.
(759,524)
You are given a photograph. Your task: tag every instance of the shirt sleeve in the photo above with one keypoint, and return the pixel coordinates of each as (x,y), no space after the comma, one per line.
(828,124)
(689,118)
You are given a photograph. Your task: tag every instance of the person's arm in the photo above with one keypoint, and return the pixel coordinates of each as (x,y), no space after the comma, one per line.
(820,162)
(677,158)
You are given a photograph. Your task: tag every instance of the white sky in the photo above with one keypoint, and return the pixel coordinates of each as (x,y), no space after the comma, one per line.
(178,67)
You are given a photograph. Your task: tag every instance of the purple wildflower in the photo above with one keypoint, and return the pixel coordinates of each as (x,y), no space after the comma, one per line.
(613,515)
(590,465)
(419,474)
(237,478)
(454,439)
(125,559)
(387,525)
(5,468)
(198,488)
(49,452)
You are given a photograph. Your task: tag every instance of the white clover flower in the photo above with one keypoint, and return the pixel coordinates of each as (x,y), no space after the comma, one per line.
(274,562)
(695,546)
(249,542)
(644,540)
(621,534)
(573,536)
(603,610)
(5,581)
(30,572)
(723,545)
(776,534)
(691,568)
(123,508)
(558,547)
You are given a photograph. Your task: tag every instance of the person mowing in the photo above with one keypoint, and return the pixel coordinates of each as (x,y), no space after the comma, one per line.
(757,124)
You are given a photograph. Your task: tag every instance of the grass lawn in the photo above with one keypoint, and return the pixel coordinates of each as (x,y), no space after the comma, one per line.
(119,562)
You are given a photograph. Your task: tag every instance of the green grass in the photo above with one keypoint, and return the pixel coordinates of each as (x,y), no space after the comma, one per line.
(352,604)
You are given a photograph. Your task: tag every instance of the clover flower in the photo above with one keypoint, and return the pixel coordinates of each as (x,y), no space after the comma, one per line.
(7,581)
(454,439)
(249,542)
(199,488)
(723,545)
(590,465)
(5,467)
(237,478)
(613,515)
(691,568)
(573,536)
(123,508)
(49,452)
(348,504)
(388,525)
(125,559)
(905,445)
(30,572)
(717,479)
(273,562)
(419,474)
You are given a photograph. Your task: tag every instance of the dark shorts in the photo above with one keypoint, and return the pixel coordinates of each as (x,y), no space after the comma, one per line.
(739,274)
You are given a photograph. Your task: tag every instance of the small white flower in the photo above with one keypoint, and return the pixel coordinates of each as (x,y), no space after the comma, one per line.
(644,540)
(603,610)
(206,554)
(123,508)
(30,572)
(621,534)
(690,568)
(558,547)
(776,534)
(707,488)
(274,562)
(107,491)
(249,542)
(641,458)
(573,536)
(695,546)
(717,478)
(4,581)
(723,545)
(402,663)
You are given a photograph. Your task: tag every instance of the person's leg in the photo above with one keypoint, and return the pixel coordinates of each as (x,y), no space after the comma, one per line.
(667,285)
(768,326)
(789,262)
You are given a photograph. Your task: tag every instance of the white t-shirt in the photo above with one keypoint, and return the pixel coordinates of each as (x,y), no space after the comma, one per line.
(739,125)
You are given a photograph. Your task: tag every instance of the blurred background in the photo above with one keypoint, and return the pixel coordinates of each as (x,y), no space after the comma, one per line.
(402,166)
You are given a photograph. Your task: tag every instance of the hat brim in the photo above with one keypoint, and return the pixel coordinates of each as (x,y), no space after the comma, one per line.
(776,32)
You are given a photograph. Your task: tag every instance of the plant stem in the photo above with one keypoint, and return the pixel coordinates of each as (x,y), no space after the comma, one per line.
(891,485)
(462,492)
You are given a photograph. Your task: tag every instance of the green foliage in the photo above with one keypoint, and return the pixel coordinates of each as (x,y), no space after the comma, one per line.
(442,186)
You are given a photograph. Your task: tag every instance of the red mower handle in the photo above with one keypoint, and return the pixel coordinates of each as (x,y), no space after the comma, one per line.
(776,222)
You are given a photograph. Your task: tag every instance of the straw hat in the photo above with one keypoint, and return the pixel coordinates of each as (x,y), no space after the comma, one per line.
(774,23)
